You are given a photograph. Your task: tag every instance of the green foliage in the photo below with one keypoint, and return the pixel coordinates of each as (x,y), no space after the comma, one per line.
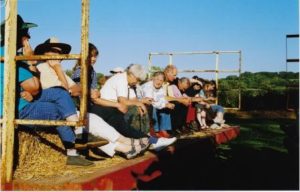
(69,72)
(256,86)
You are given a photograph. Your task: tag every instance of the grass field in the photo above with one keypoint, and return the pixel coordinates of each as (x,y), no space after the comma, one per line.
(256,160)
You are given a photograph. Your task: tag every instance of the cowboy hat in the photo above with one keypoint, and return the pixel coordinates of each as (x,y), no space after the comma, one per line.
(22,28)
(50,44)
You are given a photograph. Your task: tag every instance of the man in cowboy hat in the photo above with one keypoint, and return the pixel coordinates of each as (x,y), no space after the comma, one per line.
(28,86)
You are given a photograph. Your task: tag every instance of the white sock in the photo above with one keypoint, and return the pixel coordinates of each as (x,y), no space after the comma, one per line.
(78,130)
(72,152)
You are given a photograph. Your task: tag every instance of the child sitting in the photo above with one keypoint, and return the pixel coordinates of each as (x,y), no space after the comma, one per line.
(55,84)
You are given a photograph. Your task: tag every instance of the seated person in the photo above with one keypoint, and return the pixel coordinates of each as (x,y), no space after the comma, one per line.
(208,93)
(179,112)
(161,107)
(55,83)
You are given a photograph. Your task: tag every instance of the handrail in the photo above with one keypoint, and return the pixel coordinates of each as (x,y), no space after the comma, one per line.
(45,57)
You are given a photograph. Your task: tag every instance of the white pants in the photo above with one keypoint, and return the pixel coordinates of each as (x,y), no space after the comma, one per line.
(98,127)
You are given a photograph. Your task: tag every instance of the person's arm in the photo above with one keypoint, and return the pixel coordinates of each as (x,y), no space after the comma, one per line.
(55,64)
(27,50)
(184,100)
(121,107)
(26,95)
(31,85)
(129,102)
(75,90)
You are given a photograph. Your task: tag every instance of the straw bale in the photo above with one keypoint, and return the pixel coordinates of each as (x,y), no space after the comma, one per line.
(38,153)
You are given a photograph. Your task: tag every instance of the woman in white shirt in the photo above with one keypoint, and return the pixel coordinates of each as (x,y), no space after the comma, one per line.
(161,107)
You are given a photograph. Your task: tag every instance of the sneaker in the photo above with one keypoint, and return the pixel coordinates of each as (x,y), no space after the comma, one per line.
(78,161)
(89,141)
(162,143)
(215,126)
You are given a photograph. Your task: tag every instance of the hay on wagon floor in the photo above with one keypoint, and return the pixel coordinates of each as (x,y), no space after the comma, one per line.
(40,156)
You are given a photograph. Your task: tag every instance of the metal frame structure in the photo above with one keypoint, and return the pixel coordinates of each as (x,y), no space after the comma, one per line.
(9,122)
(216,70)
(287,61)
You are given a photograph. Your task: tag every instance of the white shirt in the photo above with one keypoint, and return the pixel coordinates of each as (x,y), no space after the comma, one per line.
(158,95)
(114,87)
(49,78)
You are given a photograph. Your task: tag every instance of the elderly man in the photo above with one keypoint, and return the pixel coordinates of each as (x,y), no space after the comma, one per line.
(178,115)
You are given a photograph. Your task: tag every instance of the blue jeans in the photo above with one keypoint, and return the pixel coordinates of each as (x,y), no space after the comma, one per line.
(47,111)
(217,108)
(162,120)
(61,98)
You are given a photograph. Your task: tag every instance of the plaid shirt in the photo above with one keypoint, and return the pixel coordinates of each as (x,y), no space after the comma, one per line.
(92,81)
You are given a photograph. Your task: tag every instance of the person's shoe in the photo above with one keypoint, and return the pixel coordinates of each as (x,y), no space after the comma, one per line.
(133,153)
(215,126)
(164,134)
(78,161)
(89,141)
(194,126)
(162,143)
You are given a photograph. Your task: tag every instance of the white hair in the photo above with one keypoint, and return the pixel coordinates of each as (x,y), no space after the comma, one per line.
(138,71)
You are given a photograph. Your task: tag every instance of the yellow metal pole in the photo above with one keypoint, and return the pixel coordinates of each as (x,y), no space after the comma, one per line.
(9,91)
(84,58)
(45,57)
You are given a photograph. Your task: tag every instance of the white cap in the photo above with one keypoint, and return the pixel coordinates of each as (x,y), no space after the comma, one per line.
(117,70)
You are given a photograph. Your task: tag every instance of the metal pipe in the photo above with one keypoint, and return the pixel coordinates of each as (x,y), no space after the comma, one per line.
(209,71)
(46,122)
(46,57)
(170,59)
(192,52)
(9,91)
(149,66)
(84,58)
(216,71)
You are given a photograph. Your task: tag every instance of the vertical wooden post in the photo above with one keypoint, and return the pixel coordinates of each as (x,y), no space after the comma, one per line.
(9,91)
(84,58)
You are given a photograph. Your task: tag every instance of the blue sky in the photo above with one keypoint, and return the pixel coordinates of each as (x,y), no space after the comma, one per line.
(125,31)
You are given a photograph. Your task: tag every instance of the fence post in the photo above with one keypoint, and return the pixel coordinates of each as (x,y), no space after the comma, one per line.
(9,91)
(84,58)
